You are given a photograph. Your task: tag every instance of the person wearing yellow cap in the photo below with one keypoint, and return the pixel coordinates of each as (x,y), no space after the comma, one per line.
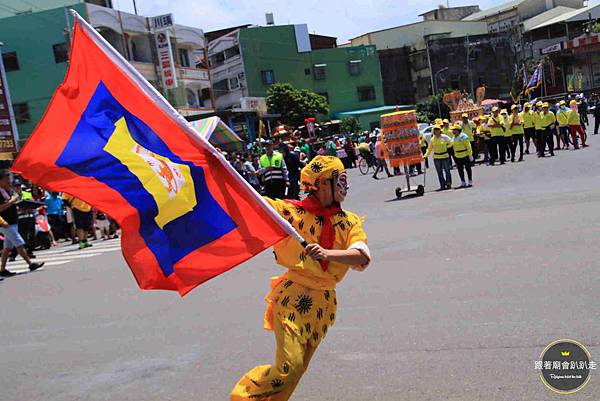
(468,128)
(485,138)
(518,132)
(539,128)
(548,123)
(302,304)
(562,118)
(462,154)
(507,134)
(447,132)
(575,127)
(497,143)
(528,119)
(439,145)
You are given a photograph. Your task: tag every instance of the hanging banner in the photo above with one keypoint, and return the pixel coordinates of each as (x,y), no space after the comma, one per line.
(8,127)
(401,137)
(165,59)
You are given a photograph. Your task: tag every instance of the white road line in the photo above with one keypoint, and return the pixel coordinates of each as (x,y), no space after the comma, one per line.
(56,263)
(56,258)
(93,249)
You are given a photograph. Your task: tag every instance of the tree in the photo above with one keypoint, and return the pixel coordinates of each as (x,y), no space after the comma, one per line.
(427,110)
(350,124)
(293,104)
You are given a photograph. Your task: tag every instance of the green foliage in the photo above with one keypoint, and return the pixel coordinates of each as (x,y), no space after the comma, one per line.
(293,104)
(349,125)
(427,110)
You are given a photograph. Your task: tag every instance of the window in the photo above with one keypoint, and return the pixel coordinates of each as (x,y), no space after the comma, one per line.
(11,63)
(21,112)
(191,98)
(217,59)
(267,77)
(234,83)
(319,71)
(184,58)
(232,52)
(325,95)
(307,71)
(354,67)
(221,87)
(61,52)
(366,93)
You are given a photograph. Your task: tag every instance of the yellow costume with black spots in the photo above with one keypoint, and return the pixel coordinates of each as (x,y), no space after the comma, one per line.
(302,304)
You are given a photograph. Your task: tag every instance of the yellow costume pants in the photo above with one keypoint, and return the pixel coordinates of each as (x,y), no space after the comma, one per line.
(300,318)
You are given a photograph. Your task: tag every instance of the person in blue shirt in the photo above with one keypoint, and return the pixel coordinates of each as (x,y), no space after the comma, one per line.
(56,215)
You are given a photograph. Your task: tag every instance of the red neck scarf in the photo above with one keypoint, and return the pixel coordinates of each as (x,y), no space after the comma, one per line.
(313,206)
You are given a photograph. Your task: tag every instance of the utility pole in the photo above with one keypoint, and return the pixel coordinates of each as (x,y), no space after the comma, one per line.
(135,8)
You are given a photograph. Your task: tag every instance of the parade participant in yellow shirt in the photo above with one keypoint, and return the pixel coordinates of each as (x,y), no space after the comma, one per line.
(528,120)
(439,145)
(468,128)
(447,131)
(540,137)
(462,154)
(562,118)
(575,127)
(485,136)
(302,304)
(548,124)
(82,216)
(518,132)
(497,142)
(507,134)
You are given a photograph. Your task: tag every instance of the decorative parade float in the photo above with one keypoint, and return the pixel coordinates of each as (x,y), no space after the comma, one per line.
(460,103)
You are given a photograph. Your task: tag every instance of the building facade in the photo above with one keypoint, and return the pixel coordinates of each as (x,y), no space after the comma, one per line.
(36,50)
(480,60)
(247,61)
(437,24)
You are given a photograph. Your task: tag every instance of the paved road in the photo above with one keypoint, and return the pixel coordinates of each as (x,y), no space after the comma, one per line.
(466,289)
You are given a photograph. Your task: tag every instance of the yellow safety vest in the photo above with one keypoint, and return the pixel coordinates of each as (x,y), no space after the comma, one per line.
(562,117)
(574,118)
(528,119)
(467,128)
(276,160)
(462,147)
(496,131)
(537,120)
(440,148)
(518,128)
(547,119)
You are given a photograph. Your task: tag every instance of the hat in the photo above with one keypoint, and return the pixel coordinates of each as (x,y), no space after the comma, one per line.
(514,106)
(268,142)
(445,120)
(527,104)
(457,127)
(539,104)
(436,127)
(465,115)
(438,121)
(573,102)
(545,105)
(504,111)
(495,108)
(562,102)
(321,168)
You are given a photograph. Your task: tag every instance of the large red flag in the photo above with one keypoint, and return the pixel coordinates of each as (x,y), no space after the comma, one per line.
(110,139)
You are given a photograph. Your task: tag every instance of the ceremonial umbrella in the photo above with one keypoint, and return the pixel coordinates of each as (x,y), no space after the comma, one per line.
(218,134)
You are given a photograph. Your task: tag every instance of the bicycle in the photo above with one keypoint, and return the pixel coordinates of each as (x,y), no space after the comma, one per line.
(365,163)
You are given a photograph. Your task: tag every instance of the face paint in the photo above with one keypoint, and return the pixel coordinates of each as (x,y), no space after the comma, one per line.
(341,183)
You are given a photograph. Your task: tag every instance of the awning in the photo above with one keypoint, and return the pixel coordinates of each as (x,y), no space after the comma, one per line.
(218,134)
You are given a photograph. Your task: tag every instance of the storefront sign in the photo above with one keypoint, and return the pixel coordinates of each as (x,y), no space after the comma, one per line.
(401,138)
(165,59)
(253,103)
(8,127)
(551,49)
(161,22)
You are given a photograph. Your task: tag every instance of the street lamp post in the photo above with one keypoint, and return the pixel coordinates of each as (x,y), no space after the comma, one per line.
(435,80)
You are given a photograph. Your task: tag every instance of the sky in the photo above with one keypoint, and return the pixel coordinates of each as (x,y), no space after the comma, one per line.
(339,18)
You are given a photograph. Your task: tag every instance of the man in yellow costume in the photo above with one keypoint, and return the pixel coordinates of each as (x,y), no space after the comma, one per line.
(302,303)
